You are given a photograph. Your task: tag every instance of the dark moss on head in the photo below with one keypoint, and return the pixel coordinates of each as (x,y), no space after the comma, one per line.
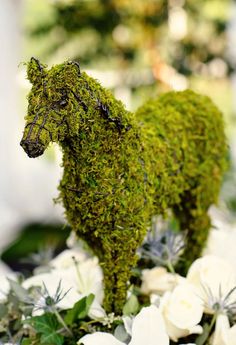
(35,71)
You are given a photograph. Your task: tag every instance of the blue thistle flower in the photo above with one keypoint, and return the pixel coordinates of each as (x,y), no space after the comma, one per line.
(221,303)
(163,246)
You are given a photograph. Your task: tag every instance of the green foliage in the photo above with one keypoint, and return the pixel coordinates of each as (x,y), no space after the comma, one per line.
(80,310)
(18,290)
(131,306)
(26,341)
(119,170)
(47,327)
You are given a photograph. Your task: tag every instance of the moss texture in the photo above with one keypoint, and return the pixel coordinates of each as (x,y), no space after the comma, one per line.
(120,169)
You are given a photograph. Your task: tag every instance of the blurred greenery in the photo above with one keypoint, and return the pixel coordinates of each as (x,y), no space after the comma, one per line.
(33,238)
(119,33)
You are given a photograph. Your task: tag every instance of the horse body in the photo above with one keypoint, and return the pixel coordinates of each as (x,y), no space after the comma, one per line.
(118,171)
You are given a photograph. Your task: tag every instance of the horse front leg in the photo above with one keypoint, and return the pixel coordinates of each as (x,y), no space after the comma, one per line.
(117,260)
(116,267)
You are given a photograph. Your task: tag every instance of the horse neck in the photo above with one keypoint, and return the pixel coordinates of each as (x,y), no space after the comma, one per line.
(101,115)
(104,129)
(92,97)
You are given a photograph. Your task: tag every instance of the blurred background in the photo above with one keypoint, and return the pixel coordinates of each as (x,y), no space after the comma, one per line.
(137,48)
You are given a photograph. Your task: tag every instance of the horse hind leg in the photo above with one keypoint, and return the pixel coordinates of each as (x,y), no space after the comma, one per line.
(193,218)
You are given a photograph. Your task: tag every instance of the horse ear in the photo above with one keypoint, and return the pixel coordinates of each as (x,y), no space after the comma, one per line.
(35,71)
(76,64)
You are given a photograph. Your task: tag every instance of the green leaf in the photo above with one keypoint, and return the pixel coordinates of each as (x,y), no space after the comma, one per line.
(52,338)
(3,311)
(43,323)
(26,341)
(21,293)
(121,334)
(80,309)
(47,325)
(131,306)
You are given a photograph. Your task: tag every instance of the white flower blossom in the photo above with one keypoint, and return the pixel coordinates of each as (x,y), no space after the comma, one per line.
(67,258)
(157,280)
(148,328)
(213,278)
(99,338)
(182,311)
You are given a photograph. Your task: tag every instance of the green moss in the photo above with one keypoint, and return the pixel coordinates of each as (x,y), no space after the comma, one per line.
(187,153)
(119,170)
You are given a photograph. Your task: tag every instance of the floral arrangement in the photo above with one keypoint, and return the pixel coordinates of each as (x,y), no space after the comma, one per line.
(61,303)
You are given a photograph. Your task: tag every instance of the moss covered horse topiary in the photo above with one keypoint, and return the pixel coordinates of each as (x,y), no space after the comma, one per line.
(120,169)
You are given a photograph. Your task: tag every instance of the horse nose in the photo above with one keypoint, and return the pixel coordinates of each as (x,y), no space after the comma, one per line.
(33,149)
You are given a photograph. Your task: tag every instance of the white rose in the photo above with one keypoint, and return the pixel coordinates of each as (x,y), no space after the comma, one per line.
(99,338)
(157,280)
(224,334)
(182,311)
(213,278)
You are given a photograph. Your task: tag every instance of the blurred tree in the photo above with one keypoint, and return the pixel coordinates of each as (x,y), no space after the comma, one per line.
(188,35)
(103,31)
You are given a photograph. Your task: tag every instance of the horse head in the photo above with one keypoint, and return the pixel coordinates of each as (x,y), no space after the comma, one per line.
(52,102)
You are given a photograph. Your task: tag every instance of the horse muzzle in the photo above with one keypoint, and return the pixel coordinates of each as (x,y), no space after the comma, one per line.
(32,148)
